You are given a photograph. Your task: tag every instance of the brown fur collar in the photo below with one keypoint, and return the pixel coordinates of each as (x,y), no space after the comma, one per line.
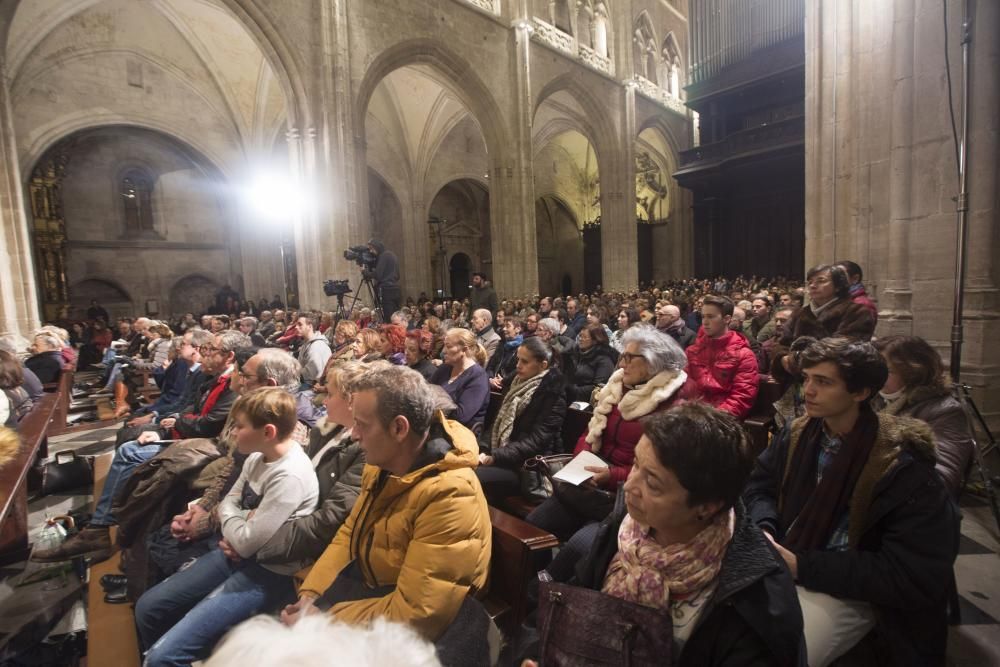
(895,434)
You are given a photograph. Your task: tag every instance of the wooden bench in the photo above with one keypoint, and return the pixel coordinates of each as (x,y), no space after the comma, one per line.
(515,543)
(64,388)
(760,422)
(33,430)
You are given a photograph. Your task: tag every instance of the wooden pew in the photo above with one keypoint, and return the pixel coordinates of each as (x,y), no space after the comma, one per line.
(760,422)
(515,543)
(33,429)
(64,388)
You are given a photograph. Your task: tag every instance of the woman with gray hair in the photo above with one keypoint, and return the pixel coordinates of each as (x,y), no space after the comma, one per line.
(649,377)
(46,360)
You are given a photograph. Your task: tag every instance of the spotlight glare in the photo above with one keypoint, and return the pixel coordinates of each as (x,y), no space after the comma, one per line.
(274,197)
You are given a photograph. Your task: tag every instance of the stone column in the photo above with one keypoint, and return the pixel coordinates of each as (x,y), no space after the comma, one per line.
(18,297)
(512,206)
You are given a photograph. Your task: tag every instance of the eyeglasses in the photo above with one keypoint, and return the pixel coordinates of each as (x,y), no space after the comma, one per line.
(627,357)
(818,281)
(208,349)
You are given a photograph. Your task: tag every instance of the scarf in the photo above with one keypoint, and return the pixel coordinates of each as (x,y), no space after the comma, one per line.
(647,573)
(816,310)
(632,403)
(810,511)
(514,403)
(515,343)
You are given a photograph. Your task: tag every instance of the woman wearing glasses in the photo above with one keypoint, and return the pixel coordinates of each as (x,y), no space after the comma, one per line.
(649,376)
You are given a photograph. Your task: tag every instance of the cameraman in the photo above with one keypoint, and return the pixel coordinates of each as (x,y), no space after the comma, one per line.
(385,273)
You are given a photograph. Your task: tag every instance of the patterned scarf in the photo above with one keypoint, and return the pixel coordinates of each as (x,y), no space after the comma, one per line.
(653,575)
(514,403)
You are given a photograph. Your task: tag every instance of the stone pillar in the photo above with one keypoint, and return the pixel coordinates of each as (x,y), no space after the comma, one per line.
(18,296)
(415,255)
(512,201)
(619,241)
(881,169)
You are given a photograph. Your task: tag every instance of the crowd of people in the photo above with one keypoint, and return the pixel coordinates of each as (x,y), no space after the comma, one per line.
(294,465)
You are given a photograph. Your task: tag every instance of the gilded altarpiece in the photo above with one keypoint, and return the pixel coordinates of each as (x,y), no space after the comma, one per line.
(49,236)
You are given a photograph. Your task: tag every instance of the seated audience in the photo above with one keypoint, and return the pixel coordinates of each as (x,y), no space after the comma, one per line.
(463,378)
(760,327)
(46,360)
(829,313)
(502,365)
(528,424)
(416,547)
(597,316)
(781,317)
(917,387)
(315,350)
(15,402)
(482,326)
(857,290)
(393,343)
(180,619)
(856,509)
(203,418)
(722,369)
(593,363)
(368,345)
(680,540)
(626,318)
(668,320)
(248,327)
(649,378)
(418,352)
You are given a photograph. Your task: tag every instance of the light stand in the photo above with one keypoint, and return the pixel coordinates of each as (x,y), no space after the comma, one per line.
(442,254)
(962,391)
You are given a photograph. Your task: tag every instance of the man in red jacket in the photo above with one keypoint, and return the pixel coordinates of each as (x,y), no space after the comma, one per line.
(722,369)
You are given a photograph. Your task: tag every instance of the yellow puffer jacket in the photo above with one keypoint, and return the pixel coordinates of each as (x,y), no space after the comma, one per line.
(428,532)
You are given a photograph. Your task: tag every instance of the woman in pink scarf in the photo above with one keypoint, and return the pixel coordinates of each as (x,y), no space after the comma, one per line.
(679,540)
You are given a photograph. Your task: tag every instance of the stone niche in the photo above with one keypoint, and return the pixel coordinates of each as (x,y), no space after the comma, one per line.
(148,223)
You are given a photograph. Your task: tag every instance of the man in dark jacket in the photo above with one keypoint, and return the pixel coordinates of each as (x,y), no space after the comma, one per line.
(483,295)
(669,321)
(386,277)
(855,507)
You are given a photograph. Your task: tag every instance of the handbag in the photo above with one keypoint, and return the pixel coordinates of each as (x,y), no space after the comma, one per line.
(68,471)
(580,627)
(588,501)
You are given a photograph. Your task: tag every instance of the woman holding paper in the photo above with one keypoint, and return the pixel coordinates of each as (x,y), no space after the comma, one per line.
(527,425)
(650,374)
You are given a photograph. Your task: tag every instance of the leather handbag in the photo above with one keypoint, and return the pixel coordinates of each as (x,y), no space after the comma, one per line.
(588,501)
(580,627)
(67,472)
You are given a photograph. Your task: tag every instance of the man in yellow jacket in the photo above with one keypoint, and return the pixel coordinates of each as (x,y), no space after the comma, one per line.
(418,540)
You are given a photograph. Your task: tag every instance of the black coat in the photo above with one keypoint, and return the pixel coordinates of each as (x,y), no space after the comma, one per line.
(537,429)
(590,369)
(903,551)
(753,616)
(46,365)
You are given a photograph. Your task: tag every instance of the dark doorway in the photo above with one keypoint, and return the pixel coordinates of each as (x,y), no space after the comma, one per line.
(567,284)
(591,258)
(460,270)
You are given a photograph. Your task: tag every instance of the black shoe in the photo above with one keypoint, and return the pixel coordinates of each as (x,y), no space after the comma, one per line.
(112,581)
(117,595)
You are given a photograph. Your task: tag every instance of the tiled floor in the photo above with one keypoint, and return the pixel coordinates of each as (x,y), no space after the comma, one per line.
(974,643)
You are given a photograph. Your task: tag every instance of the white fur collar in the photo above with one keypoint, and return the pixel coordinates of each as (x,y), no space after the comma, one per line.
(636,403)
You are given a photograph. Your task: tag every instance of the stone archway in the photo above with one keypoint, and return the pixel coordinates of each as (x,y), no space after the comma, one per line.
(192,294)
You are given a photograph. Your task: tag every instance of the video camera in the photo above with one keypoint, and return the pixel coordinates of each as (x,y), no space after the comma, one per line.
(362,256)
(336,287)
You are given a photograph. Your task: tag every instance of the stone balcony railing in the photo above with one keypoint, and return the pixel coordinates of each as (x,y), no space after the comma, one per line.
(653,92)
(558,40)
(771,136)
(489,6)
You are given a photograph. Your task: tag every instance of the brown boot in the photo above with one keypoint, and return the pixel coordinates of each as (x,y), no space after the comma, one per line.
(122,407)
(93,543)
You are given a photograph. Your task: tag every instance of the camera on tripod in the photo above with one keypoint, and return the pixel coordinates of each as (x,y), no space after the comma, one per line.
(362,256)
(336,287)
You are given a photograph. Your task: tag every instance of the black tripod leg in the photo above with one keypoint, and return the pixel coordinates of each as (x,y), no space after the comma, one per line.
(973,416)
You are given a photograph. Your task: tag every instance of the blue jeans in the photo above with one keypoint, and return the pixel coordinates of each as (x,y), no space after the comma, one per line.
(128,457)
(180,619)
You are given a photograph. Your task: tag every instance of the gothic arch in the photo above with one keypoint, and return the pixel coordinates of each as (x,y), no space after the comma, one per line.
(644,46)
(193,293)
(601,129)
(459,73)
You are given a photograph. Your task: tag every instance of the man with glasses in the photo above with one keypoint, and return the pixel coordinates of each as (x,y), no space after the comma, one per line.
(202,418)
(669,321)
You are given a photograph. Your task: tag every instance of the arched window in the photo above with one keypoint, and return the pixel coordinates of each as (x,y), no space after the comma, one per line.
(136,190)
(584,24)
(559,11)
(644,47)
(670,69)
(599,30)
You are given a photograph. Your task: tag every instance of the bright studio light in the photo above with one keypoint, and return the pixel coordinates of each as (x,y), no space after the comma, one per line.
(274,196)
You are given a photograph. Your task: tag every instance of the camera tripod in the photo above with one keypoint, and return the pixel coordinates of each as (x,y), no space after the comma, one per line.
(974,418)
(367,285)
